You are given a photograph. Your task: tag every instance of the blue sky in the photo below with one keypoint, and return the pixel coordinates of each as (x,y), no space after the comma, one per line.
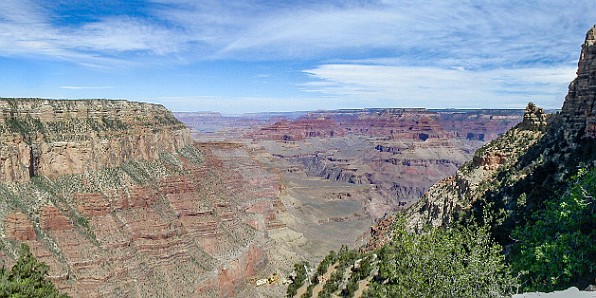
(248,56)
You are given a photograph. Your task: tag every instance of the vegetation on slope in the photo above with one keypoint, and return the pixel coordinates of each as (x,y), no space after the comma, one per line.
(27,278)
(22,117)
(557,247)
(460,261)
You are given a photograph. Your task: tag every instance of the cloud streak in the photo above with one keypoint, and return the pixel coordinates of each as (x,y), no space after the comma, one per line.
(469,34)
(352,52)
(379,85)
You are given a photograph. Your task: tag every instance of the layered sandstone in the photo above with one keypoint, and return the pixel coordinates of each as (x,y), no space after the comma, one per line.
(300,129)
(394,124)
(51,137)
(117,200)
(401,152)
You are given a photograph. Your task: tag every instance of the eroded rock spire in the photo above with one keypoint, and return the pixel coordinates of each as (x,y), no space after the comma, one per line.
(578,112)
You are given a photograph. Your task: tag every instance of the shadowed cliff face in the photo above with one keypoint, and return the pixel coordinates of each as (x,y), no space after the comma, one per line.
(579,112)
(117,200)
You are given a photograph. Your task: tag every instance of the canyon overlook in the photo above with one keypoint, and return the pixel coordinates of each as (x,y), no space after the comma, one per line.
(342,171)
(119,200)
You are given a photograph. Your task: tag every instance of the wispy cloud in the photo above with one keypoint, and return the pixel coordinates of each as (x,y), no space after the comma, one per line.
(379,85)
(468,34)
(356,52)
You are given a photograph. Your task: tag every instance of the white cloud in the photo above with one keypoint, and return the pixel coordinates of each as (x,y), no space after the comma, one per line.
(468,34)
(361,53)
(381,85)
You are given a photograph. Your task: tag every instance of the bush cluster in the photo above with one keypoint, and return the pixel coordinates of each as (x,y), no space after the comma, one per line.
(27,278)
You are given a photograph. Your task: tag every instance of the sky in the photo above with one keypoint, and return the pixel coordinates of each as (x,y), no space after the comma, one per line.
(241,56)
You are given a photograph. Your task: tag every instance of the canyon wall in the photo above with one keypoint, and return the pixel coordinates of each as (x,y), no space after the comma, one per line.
(400,151)
(51,138)
(118,201)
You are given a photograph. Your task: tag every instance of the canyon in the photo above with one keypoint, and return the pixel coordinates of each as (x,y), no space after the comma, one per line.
(401,152)
(118,201)
(343,171)
(528,195)
(122,199)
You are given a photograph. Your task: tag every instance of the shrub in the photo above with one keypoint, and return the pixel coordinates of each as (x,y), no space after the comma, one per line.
(461,261)
(556,249)
(27,278)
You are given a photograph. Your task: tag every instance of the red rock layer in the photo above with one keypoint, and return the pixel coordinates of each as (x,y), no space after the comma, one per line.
(58,137)
(18,227)
(185,235)
(395,124)
(306,127)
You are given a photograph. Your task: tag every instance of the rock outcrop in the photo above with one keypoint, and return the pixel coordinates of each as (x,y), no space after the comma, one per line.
(534,118)
(52,138)
(579,110)
(118,201)
(510,177)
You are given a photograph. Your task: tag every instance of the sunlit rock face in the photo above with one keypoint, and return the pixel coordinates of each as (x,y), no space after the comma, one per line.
(52,138)
(579,112)
(119,202)
(401,152)
(528,163)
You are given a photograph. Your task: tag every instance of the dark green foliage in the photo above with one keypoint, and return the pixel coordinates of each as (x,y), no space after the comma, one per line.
(114,123)
(350,289)
(461,261)
(27,126)
(324,265)
(557,248)
(346,257)
(298,279)
(308,292)
(27,278)
(333,284)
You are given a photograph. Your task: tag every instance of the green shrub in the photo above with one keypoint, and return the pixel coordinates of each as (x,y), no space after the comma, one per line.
(27,278)
(298,279)
(556,249)
(461,261)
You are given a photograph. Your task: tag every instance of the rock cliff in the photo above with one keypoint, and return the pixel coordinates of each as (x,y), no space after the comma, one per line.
(400,151)
(579,112)
(448,199)
(52,138)
(118,201)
